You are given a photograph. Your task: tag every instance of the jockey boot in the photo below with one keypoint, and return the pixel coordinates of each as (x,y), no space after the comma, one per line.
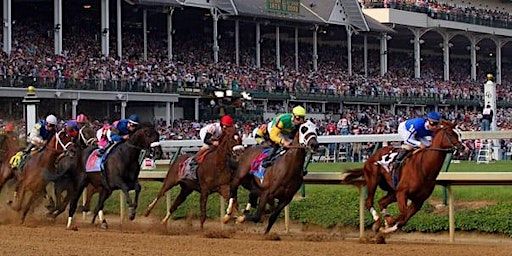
(268,160)
(396,165)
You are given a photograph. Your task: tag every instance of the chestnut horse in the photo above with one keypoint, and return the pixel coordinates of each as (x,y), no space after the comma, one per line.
(282,180)
(31,177)
(214,175)
(122,170)
(8,148)
(68,170)
(416,182)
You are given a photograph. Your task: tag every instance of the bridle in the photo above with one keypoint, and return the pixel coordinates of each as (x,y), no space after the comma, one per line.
(58,142)
(88,142)
(453,147)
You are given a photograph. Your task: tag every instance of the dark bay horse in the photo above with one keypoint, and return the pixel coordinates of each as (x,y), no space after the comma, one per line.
(122,169)
(282,180)
(214,175)
(8,148)
(68,171)
(31,177)
(416,182)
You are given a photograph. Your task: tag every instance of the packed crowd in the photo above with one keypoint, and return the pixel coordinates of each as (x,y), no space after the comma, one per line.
(82,66)
(464,12)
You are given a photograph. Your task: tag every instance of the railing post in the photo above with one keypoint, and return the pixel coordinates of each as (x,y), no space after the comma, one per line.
(362,197)
(447,163)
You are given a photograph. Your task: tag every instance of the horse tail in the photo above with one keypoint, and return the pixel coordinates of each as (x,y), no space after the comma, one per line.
(353,177)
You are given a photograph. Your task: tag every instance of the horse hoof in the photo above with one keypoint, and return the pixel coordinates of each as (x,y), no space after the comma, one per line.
(73,228)
(226,219)
(104,225)
(132,217)
(240,219)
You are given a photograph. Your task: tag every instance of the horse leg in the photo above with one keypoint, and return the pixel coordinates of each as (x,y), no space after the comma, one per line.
(82,182)
(389,198)
(86,206)
(138,188)
(129,202)
(256,217)
(275,214)
(203,200)
(406,212)
(371,184)
(98,211)
(26,208)
(233,198)
(19,196)
(168,184)
(184,192)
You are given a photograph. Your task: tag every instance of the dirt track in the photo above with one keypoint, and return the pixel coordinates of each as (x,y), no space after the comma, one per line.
(147,237)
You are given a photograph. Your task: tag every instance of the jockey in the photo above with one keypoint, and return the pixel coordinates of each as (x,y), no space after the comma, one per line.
(210,135)
(261,133)
(121,130)
(416,133)
(283,128)
(72,128)
(42,132)
(82,120)
(124,128)
(103,135)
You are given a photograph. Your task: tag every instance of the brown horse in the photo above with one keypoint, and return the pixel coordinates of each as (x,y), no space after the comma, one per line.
(214,175)
(282,180)
(122,170)
(8,148)
(416,182)
(31,178)
(68,170)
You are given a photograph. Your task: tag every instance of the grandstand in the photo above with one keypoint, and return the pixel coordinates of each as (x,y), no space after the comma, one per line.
(374,62)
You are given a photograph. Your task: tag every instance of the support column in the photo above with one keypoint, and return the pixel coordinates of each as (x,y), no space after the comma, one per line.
(349,49)
(323,107)
(315,48)
(105,27)
(7,27)
(365,54)
(57,26)
(169,33)
(383,54)
(473,58)
(119,31)
(168,114)
(499,44)
(123,109)
(296,49)
(196,109)
(145,33)
(258,46)
(278,49)
(237,42)
(74,104)
(215,15)
(446,56)
(173,116)
(417,53)
(265,106)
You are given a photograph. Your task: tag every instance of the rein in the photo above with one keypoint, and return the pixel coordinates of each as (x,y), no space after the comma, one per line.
(58,142)
(88,142)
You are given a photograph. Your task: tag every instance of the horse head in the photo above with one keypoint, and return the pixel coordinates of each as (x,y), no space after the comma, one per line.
(145,137)
(447,136)
(86,136)
(63,142)
(230,139)
(308,133)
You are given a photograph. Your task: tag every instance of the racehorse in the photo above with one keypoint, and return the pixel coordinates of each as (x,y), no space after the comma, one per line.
(214,175)
(281,181)
(8,148)
(31,176)
(416,181)
(68,171)
(121,171)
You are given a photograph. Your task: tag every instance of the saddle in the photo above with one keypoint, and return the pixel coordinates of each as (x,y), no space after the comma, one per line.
(256,165)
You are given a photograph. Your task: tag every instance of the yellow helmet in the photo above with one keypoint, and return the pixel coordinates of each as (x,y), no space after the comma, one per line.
(299,111)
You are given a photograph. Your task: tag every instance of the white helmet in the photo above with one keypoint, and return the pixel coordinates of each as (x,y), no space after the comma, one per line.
(51,119)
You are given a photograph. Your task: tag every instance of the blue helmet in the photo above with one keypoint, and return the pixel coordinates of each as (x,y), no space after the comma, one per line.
(72,124)
(134,119)
(434,116)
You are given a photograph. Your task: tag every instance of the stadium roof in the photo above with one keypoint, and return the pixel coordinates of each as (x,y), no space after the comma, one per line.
(158,2)
(376,26)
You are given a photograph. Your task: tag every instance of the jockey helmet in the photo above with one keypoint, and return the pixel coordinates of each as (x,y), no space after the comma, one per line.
(81,118)
(9,127)
(72,124)
(134,119)
(299,111)
(226,120)
(51,119)
(434,116)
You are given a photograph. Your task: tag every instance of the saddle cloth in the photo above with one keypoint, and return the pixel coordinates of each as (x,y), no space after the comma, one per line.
(94,162)
(387,159)
(259,171)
